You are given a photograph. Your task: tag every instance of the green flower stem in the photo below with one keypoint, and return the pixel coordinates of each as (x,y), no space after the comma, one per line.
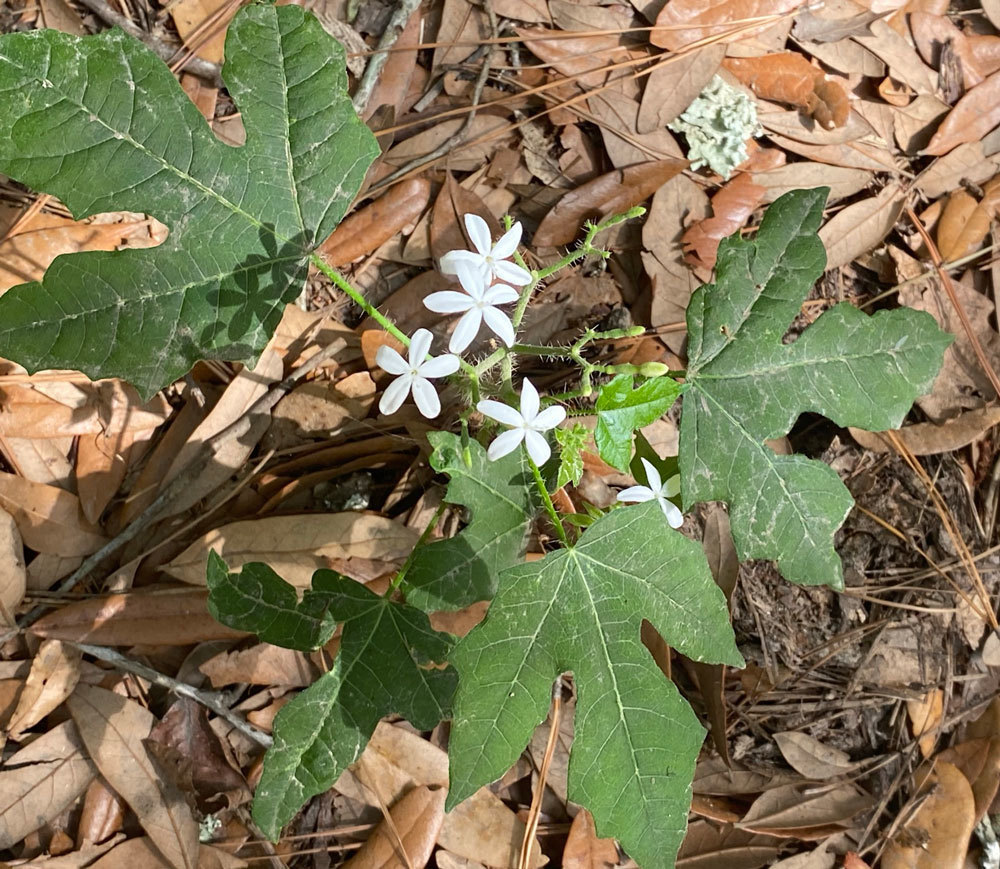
(358,299)
(420,542)
(547,501)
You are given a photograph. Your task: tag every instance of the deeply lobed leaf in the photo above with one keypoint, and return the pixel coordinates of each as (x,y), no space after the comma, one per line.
(580,609)
(101,123)
(502,502)
(745,386)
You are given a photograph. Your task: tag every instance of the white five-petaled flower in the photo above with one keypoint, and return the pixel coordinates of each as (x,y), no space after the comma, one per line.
(489,259)
(658,491)
(414,375)
(476,304)
(526,425)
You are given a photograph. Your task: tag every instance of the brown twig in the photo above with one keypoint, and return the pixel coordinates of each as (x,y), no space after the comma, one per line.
(369,78)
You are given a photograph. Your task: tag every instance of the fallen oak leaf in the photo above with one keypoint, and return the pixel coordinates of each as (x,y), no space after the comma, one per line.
(964,223)
(790,78)
(972,117)
(611,193)
(732,206)
(682,22)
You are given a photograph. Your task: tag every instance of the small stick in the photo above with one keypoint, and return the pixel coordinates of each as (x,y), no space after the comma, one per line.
(400,15)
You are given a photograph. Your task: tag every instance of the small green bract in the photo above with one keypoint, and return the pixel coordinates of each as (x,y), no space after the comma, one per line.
(717,125)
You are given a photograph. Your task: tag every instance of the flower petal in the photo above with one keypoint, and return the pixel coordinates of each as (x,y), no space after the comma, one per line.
(426,397)
(674,516)
(439,366)
(449,263)
(529,401)
(479,233)
(448,302)
(652,475)
(511,273)
(389,360)
(507,243)
(500,323)
(538,447)
(466,330)
(500,294)
(505,443)
(473,278)
(636,494)
(420,343)
(549,418)
(395,394)
(500,412)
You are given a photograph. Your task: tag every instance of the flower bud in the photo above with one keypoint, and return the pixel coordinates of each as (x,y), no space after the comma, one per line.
(653,369)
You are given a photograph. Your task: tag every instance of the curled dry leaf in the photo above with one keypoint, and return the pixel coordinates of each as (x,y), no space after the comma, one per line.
(964,223)
(40,781)
(54,674)
(929,439)
(732,206)
(611,193)
(114,728)
(13,575)
(368,228)
(295,546)
(811,757)
(584,850)
(172,617)
(102,815)
(925,719)
(789,78)
(413,825)
(937,836)
(973,116)
(686,21)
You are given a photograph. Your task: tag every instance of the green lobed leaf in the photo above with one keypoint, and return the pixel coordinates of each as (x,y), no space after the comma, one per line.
(571,442)
(261,602)
(502,500)
(385,666)
(621,410)
(101,123)
(744,386)
(581,609)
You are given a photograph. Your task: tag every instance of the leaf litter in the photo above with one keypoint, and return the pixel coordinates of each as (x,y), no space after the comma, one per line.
(856,96)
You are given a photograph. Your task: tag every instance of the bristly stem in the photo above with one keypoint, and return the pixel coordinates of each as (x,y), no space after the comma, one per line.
(547,501)
(359,300)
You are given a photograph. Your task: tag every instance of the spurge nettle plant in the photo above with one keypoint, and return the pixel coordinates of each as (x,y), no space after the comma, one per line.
(245,227)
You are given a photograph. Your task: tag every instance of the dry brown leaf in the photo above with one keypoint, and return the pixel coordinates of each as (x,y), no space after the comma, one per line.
(842,181)
(481,828)
(102,815)
(414,826)
(393,85)
(13,576)
(25,257)
(569,15)
(987,726)
(965,223)
(833,22)
(584,850)
(940,829)
(675,206)
(902,59)
(319,409)
(804,810)
(584,56)
(40,781)
(711,846)
(295,546)
(489,130)
(973,116)
(365,230)
(687,21)
(811,757)
(673,86)
(196,19)
(929,439)
(171,617)
(114,728)
(447,223)
(141,853)
(861,227)
(932,32)
(461,26)
(914,125)
(846,56)
(231,455)
(872,156)
(54,674)
(261,664)
(985,52)
(732,206)
(946,173)
(49,519)
(789,78)
(608,194)
(617,115)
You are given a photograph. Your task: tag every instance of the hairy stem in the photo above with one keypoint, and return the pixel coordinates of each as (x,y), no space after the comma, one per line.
(547,501)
